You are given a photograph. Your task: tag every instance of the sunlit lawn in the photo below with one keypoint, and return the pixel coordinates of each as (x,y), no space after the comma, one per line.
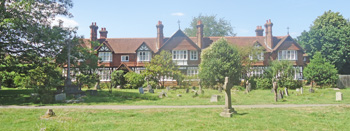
(308,118)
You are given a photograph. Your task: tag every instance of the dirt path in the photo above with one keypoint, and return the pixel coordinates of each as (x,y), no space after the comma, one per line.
(127,107)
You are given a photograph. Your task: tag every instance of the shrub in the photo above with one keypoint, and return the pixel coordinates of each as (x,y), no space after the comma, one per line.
(134,79)
(263,83)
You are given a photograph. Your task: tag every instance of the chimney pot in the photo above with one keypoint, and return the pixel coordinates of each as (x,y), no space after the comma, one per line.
(199,22)
(269,20)
(95,23)
(159,22)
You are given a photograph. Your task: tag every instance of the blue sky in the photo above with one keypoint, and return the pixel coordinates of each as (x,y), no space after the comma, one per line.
(129,18)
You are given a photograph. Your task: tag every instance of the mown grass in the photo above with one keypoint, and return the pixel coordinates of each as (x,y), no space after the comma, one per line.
(132,97)
(308,118)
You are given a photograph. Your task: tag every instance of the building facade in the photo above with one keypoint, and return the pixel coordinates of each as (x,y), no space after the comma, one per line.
(133,53)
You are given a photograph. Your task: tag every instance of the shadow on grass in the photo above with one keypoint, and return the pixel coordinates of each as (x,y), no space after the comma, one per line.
(16,97)
(241,114)
(22,97)
(119,97)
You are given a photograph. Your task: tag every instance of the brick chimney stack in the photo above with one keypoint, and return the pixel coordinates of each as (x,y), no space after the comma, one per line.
(259,31)
(269,37)
(93,31)
(160,36)
(200,34)
(103,33)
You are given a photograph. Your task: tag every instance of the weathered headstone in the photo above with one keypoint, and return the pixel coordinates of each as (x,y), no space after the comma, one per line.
(60,97)
(141,90)
(219,89)
(161,94)
(338,96)
(179,95)
(187,90)
(280,95)
(149,88)
(49,113)
(119,87)
(274,88)
(286,91)
(301,90)
(248,87)
(311,90)
(151,91)
(168,88)
(215,98)
(228,110)
(297,89)
(200,91)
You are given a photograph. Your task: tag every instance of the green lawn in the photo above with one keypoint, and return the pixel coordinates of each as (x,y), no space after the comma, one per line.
(132,97)
(310,118)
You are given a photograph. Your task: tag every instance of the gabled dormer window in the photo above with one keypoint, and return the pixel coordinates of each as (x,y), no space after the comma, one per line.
(105,54)
(179,55)
(257,56)
(288,55)
(143,53)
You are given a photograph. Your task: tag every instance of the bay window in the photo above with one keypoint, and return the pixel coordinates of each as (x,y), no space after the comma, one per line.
(144,56)
(179,55)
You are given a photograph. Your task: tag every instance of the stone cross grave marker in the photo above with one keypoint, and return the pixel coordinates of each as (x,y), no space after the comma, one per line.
(338,96)
(141,90)
(228,110)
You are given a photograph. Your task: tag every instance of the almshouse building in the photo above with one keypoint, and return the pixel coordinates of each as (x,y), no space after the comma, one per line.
(133,53)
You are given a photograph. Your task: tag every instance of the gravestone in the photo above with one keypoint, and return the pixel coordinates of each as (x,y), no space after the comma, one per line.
(220,89)
(280,95)
(338,96)
(168,88)
(301,90)
(228,110)
(195,93)
(311,90)
(187,90)
(215,98)
(179,95)
(200,91)
(141,90)
(119,87)
(248,87)
(161,94)
(286,91)
(297,89)
(60,97)
(274,88)
(151,91)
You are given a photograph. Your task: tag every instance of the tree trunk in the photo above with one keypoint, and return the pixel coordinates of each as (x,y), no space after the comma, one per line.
(275,91)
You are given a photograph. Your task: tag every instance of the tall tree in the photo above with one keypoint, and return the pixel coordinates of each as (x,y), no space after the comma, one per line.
(220,60)
(283,71)
(161,66)
(212,26)
(320,71)
(330,35)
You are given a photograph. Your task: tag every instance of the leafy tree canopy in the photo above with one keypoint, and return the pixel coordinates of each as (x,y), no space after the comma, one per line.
(220,60)
(212,26)
(320,71)
(330,35)
(283,71)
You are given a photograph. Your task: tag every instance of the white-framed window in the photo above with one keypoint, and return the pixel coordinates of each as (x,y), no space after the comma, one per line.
(256,71)
(105,56)
(179,55)
(105,74)
(191,71)
(258,56)
(194,55)
(125,58)
(144,56)
(288,55)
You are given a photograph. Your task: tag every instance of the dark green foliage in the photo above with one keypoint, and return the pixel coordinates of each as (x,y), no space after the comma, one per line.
(330,35)
(220,60)
(86,80)
(321,71)
(212,26)
(134,80)
(117,78)
(284,72)
(263,83)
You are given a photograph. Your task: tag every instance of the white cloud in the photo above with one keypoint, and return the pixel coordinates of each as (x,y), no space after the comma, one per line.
(177,14)
(66,22)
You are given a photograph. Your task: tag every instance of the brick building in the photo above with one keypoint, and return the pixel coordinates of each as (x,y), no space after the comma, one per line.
(133,53)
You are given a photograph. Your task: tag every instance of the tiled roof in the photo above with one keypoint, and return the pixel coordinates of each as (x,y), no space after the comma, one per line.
(129,45)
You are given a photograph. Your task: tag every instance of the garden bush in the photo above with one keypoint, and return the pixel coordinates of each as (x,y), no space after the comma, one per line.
(263,83)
